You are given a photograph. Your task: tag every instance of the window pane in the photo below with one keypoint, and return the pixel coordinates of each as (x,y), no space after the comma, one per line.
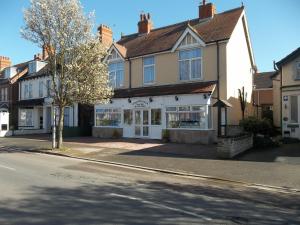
(171,109)
(196,69)
(184,108)
(67,117)
(119,78)
(172,120)
(149,61)
(294,109)
(149,74)
(155,116)
(137,117)
(108,118)
(127,117)
(184,68)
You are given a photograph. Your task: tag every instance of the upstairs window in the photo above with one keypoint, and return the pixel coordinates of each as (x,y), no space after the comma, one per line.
(30,91)
(3,94)
(149,70)
(190,64)
(116,74)
(41,86)
(297,77)
(113,56)
(26,96)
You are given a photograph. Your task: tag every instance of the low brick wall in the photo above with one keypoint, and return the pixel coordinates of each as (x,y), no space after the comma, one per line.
(193,136)
(28,131)
(107,132)
(229,147)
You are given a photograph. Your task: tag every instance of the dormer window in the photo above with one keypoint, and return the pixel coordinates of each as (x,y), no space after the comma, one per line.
(190,64)
(35,66)
(113,56)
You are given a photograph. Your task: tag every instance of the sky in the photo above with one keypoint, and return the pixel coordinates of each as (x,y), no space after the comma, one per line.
(273,24)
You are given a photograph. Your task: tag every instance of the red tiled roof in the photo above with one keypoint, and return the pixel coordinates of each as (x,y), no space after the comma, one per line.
(185,88)
(220,27)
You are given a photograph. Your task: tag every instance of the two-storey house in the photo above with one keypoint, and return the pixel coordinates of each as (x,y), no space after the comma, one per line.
(288,95)
(183,78)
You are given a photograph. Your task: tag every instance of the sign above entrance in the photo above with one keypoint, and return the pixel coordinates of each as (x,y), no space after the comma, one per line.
(140,104)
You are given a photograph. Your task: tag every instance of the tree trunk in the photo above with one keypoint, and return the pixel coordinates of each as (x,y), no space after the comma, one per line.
(60,127)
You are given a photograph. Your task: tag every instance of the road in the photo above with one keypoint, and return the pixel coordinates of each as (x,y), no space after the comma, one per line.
(43,189)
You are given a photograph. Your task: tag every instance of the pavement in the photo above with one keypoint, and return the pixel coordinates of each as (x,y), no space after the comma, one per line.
(279,167)
(45,189)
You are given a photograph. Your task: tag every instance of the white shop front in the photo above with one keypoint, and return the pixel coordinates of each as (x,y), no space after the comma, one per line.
(147,117)
(4,123)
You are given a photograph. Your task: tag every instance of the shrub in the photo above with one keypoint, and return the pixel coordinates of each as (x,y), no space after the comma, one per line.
(166,135)
(264,142)
(257,126)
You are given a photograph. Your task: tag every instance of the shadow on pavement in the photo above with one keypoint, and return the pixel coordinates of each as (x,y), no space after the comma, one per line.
(148,203)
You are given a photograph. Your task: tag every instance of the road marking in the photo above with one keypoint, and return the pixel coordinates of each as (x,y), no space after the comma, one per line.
(8,168)
(160,205)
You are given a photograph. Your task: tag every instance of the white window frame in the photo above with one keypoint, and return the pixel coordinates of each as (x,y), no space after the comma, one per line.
(146,66)
(30,91)
(190,111)
(41,89)
(115,73)
(190,64)
(119,111)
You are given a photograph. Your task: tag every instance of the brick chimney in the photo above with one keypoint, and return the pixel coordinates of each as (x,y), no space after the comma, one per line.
(206,10)
(106,35)
(4,62)
(145,24)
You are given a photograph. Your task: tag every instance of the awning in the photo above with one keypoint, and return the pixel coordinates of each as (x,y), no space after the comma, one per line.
(222,103)
(31,102)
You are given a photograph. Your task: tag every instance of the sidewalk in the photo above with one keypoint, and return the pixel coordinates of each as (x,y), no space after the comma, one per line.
(192,159)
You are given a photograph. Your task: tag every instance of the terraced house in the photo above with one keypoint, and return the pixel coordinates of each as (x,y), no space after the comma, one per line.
(183,77)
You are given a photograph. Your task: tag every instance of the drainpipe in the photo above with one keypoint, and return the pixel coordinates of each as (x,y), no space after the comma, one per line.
(218,88)
(129,60)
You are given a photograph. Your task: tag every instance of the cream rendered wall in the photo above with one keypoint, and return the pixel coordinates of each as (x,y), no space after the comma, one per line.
(276,101)
(167,67)
(239,73)
(288,72)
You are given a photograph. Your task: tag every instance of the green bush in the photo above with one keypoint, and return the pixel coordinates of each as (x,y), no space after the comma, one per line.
(257,126)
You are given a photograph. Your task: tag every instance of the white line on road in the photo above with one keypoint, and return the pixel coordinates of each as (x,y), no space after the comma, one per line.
(161,206)
(8,168)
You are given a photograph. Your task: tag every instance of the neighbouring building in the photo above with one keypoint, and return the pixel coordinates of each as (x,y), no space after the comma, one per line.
(288,77)
(263,97)
(9,76)
(183,78)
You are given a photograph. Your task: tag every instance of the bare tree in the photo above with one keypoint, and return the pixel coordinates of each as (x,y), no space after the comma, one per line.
(75,54)
(243,101)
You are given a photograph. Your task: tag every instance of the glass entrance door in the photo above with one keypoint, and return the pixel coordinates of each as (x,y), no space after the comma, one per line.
(141,123)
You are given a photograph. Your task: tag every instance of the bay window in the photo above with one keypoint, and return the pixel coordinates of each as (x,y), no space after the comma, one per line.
(191,117)
(190,64)
(149,70)
(108,117)
(116,74)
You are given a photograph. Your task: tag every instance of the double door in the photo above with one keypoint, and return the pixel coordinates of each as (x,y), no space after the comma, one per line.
(141,123)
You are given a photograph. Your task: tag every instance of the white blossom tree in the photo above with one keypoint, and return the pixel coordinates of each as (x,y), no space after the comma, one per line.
(74,53)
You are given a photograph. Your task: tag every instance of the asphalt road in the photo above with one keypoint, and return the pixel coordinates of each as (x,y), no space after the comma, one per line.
(43,189)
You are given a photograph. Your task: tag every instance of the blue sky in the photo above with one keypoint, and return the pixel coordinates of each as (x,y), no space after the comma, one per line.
(274,24)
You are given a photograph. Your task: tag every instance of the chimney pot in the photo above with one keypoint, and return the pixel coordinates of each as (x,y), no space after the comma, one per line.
(206,10)
(106,35)
(145,25)
(4,62)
